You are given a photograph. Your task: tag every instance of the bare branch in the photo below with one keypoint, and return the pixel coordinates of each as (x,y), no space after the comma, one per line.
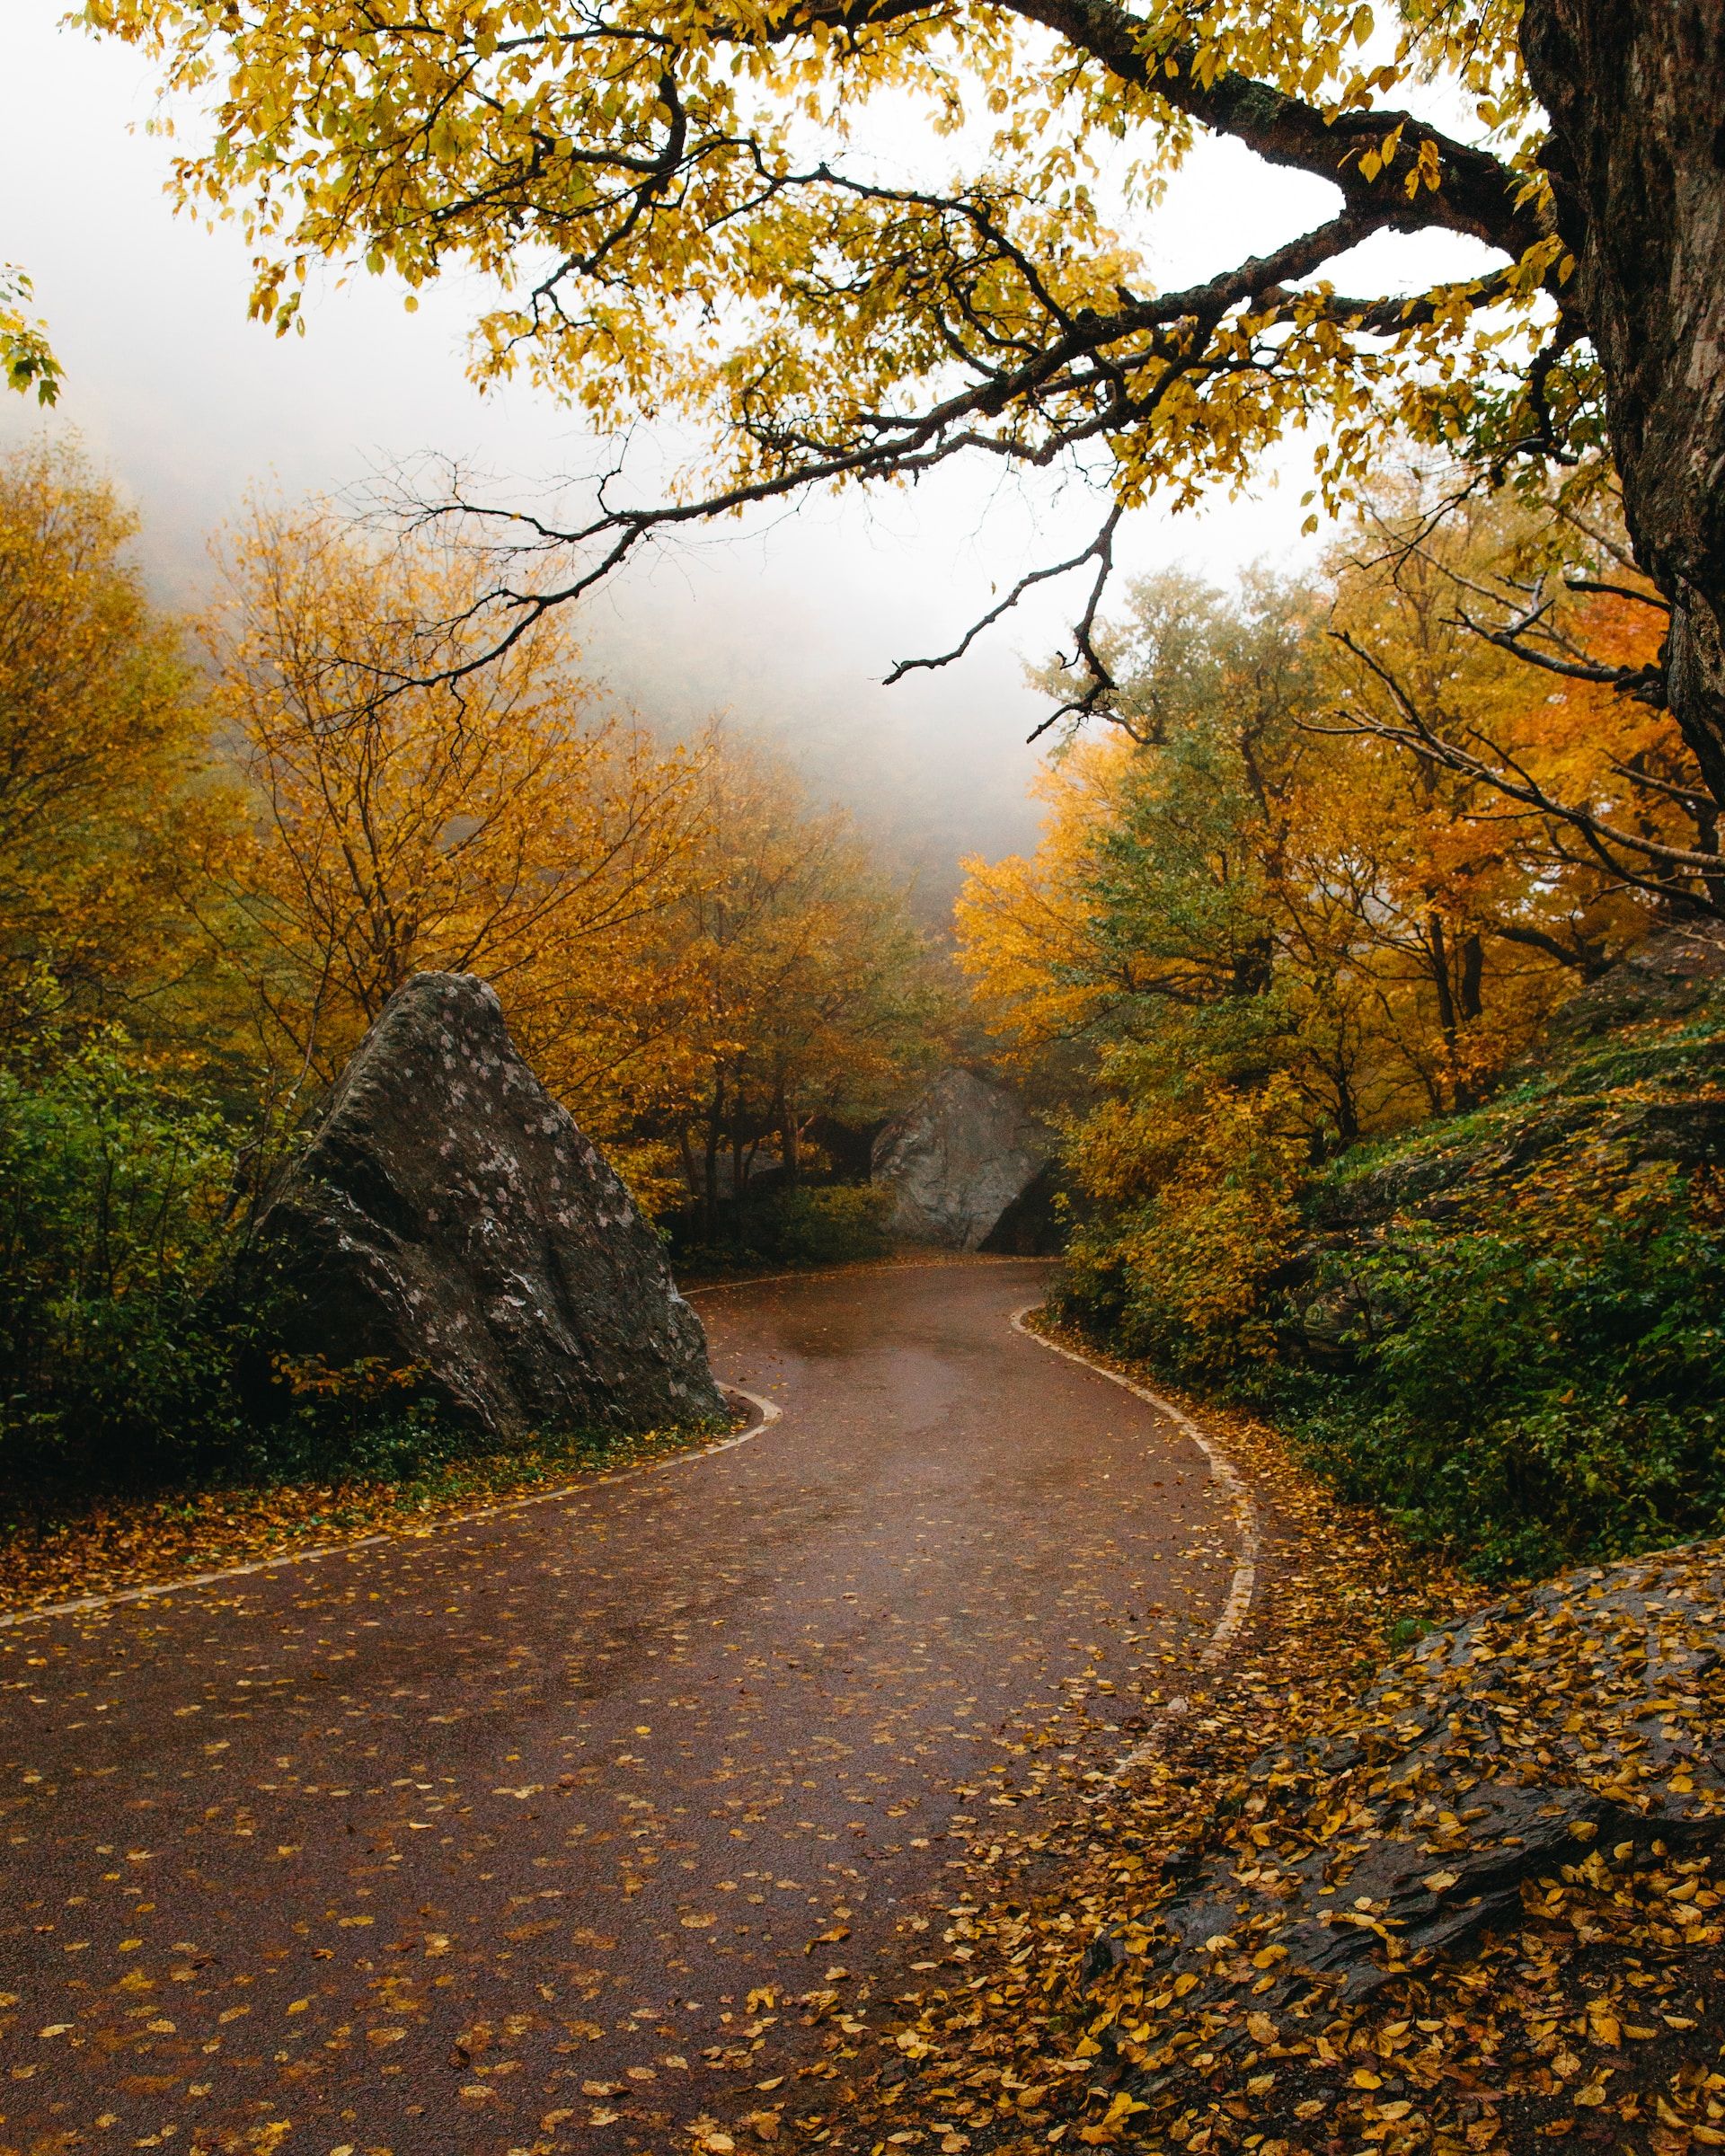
(1646,682)
(1102,680)
(1025,584)
(1507,776)
(1620,591)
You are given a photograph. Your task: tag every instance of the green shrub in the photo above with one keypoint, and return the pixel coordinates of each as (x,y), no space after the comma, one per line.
(1540,1386)
(113,1228)
(1507,1328)
(826,1226)
(129,1365)
(834,1224)
(369,1424)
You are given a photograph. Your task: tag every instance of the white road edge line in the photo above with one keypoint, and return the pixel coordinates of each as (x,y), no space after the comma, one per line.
(768,1411)
(1227,1478)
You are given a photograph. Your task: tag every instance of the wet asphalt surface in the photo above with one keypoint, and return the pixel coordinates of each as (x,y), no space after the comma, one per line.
(481,1840)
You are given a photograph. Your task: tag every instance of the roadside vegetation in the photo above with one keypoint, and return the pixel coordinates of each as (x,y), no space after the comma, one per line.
(1373,953)
(1372,948)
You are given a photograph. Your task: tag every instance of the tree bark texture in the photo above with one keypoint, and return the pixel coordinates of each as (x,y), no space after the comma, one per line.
(1635,90)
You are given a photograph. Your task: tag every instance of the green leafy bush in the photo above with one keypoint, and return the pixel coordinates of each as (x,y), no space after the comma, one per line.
(1542,1383)
(114,1226)
(129,1364)
(1504,1327)
(834,1223)
(826,1226)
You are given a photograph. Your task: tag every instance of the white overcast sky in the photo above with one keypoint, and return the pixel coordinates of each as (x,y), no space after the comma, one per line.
(789,628)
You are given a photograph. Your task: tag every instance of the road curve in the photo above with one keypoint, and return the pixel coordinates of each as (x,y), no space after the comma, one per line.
(479,1841)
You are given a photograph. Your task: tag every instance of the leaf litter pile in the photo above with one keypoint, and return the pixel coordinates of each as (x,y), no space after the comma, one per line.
(1470,1905)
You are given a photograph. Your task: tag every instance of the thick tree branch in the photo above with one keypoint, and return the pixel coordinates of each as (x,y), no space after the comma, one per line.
(1620,591)
(1645,684)
(1477,193)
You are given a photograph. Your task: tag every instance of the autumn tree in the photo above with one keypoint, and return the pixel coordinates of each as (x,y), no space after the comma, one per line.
(681,214)
(1570,752)
(1270,878)
(1260,927)
(106,787)
(494,824)
(804,991)
(1198,917)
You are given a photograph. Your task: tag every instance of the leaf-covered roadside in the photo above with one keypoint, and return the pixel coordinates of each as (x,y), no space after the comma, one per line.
(1126,1976)
(991,2052)
(120,1544)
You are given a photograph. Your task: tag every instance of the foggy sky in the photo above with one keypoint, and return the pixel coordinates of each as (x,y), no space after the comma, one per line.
(787,628)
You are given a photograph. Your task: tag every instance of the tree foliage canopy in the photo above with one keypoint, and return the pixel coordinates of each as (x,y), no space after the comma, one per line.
(679,214)
(105,784)
(1262,891)
(1294,970)
(496,825)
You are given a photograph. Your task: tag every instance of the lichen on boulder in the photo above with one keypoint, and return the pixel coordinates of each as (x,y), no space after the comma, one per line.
(448,1219)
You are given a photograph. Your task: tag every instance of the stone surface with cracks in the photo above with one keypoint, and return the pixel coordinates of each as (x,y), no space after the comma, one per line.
(449,1219)
(958,1161)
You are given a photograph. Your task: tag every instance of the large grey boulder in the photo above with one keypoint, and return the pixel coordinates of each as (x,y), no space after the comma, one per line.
(959,1161)
(449,1217)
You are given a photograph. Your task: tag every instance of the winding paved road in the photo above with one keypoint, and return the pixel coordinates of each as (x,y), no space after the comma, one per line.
(481,1841)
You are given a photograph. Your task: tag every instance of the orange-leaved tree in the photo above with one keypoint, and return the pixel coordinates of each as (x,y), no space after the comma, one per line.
(403,821)
(1270,923)
(1524,711)
(106,787)
(806,991)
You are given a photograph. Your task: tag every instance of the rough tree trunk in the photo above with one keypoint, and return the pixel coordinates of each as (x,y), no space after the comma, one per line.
(710,1194)
(1438,955)
(1636,93)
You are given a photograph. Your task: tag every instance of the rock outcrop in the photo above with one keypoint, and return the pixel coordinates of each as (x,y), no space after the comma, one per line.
(959,1162)
(1668,976)
(1588,1713)
(448,1218)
